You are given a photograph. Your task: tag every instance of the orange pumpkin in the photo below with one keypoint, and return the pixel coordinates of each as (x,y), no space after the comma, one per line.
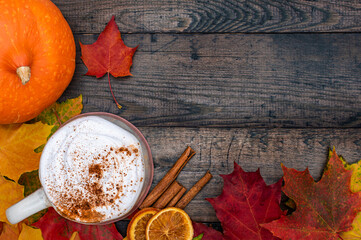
(37,58)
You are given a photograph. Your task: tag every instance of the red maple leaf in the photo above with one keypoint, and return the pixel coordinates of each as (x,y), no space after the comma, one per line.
(209,233)
(245,203)
(55,227)
(323,209)
(108,54)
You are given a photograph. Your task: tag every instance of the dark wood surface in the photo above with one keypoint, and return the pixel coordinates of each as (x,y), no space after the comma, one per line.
(213,16)
(218,148)
(252,82)
(233,80)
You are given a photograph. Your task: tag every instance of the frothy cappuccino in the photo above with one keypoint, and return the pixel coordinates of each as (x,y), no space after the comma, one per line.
(92,170)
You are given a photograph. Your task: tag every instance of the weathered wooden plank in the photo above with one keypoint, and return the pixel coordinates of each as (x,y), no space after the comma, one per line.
(217,150)
(213,16)
(233,80)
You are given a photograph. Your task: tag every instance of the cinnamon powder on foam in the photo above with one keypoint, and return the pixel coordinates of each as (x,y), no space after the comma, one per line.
(101,185)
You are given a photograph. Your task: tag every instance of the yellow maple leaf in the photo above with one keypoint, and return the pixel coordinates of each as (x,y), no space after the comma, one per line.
(75,236)
(28,232)
(9,232)
(355,186)
(10,193)
(17,144)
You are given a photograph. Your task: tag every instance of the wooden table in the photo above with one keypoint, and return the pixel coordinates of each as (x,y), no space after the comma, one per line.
(255,82)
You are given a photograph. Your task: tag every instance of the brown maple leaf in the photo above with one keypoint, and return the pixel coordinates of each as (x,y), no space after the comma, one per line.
(108,54)
(324,209)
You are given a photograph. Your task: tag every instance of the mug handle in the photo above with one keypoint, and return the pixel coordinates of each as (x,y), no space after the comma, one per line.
(33,203)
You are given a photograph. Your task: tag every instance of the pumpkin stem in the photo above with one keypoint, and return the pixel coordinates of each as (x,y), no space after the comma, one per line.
(24,74)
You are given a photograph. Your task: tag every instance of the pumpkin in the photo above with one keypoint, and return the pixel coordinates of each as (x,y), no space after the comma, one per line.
(37,58)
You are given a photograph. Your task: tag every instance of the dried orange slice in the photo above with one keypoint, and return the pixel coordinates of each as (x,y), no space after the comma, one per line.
(136,227)
(170,224)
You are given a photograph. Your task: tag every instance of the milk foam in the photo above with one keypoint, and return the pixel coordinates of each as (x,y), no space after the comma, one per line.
(92,170)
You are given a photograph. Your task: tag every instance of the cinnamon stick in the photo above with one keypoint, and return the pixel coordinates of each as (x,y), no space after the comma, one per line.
(176,198)
(194,191)
(173,189)
(168,178)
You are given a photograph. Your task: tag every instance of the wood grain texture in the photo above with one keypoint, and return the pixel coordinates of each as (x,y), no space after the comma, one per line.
(233,80)
(217,149)
(213,16)
(231,96)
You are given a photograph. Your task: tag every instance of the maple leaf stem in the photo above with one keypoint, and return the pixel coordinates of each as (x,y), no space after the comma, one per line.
(57,117)
(110,86)
(339,236)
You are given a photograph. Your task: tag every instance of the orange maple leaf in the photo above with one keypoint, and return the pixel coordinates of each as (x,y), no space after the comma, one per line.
(108,54)
(17,144)
(9,232)
(19,231)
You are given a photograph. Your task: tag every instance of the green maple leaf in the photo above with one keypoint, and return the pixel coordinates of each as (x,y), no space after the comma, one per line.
(58,113)
(199,237)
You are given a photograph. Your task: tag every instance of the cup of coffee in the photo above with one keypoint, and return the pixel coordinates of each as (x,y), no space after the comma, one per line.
(95,169)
